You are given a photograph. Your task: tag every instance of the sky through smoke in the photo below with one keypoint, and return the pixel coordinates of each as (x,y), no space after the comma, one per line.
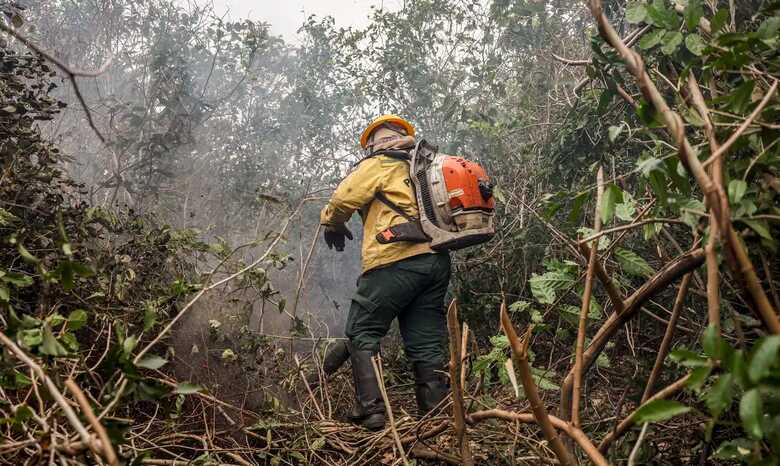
(286,16)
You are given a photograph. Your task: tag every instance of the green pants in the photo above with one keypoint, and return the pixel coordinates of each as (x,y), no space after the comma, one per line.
(411,290)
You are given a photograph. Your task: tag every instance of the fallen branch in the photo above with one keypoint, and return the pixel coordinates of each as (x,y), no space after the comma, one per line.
(73,419)
(520,353)
(105,442)
(527,418)
(376,362)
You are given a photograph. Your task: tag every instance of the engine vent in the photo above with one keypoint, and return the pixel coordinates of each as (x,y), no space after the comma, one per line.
(425,196)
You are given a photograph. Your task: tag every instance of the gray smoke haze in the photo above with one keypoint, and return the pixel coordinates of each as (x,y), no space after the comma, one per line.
(286,17)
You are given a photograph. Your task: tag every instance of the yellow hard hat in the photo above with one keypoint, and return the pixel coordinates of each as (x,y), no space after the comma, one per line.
(385,119)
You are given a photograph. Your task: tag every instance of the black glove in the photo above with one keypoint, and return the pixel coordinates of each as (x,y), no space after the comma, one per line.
(334,236)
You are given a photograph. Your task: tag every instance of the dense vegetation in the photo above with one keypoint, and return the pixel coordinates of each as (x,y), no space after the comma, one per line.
(161,286)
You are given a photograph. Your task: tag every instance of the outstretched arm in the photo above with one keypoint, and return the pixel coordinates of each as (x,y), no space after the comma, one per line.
(355,191)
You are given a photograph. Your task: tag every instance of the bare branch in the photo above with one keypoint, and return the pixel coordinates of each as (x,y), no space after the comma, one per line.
(586,295)
(457,391)
(520,352)
(70,72)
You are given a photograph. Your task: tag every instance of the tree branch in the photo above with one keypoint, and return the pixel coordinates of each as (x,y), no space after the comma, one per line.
(457,391)
(70,72)
(520,352)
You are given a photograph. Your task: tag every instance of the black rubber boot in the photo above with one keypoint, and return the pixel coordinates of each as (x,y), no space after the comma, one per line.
(430,386)
(337,355)
(369,409)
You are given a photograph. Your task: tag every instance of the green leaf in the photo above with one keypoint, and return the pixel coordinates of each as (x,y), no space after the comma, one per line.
(750,411)
(691,211)
(651,39)
(737,449)
(736,189)
(764,357)
(740,98)
(26,255)
(614,132)
(77,319)
(544,286)
(50,345)
(695,44)
(544,379)
(187,388)
(720,396)
(30,338)
(18,280)
(612,195)
(759,226)
(698,377)
(65,272)
(21,380)
(5,294)
(636,13)
(693,13)
(152,362)
(661,16)
(519,306)
(720,19)
(627,209)
(128,345)
(632,263)
(82,270)
(55,320)
(150,317)
(672,41)
(66,249)
(688,358)
(658,411)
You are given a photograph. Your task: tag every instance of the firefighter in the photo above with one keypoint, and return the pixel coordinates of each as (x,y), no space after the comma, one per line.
(400,279)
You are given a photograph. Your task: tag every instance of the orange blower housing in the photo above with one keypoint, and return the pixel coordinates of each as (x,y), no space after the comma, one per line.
(455,197)
(467,184)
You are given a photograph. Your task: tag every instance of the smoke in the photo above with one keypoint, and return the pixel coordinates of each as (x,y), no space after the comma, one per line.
(214,125)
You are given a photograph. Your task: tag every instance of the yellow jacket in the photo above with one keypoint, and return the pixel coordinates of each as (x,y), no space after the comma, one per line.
(356,192)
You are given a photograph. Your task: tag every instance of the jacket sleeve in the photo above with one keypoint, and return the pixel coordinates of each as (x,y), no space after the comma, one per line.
(355,191)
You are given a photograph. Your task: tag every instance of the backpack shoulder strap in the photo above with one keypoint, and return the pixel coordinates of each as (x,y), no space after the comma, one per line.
(380,196)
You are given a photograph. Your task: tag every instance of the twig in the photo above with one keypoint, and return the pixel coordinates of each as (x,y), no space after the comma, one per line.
(716,172)
(714,192)
(520,352)
(569,62)
(586,295)
(628,421)
(308,388)
(81,399)
(639,440)
(736,134)
(216,285)
(527,418)
(376,362)
(629,227)
(670,272)
(457,391)
(679,303)
(70,72)
(53,391)
(302,278)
